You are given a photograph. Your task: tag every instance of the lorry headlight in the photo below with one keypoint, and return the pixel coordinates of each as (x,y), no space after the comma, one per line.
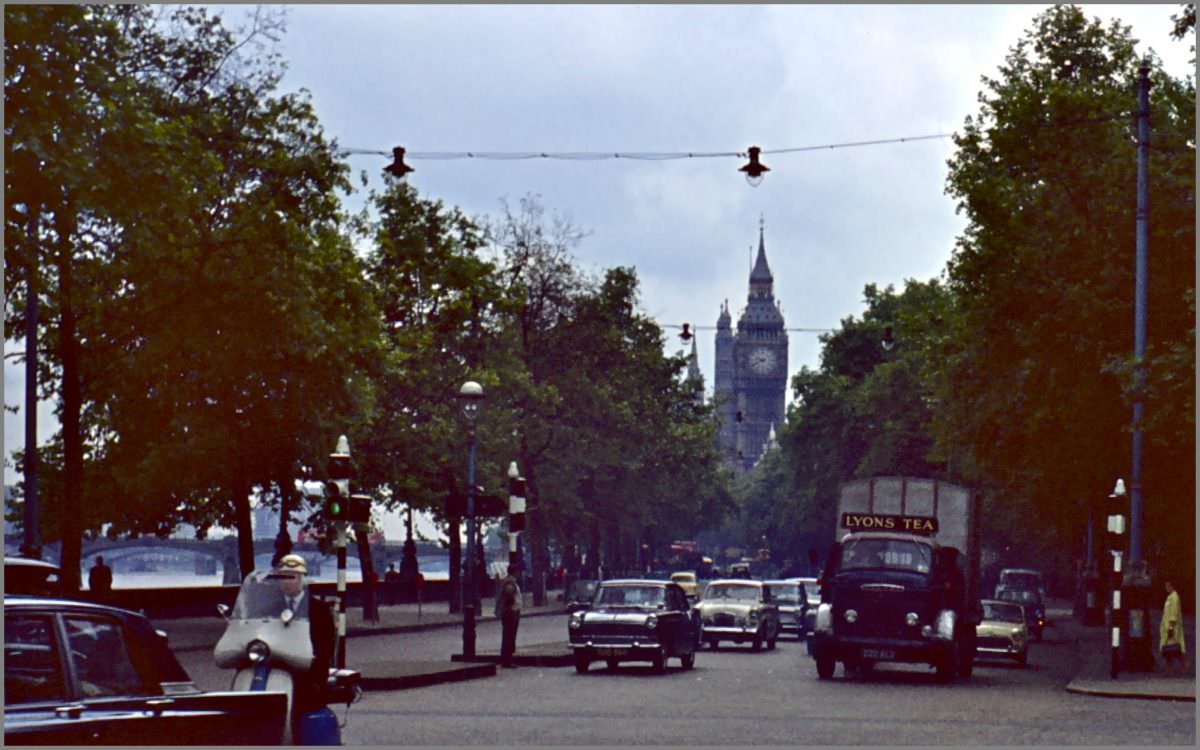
(911,619)
(258,651)
(945,624)
(851,615)
(576,621)
(824,620)
(926,631)
(651,622)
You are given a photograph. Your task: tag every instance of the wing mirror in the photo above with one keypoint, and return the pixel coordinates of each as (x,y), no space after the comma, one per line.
(286,615)
(223,610)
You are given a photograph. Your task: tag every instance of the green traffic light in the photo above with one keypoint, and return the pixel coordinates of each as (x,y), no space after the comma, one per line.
(335,510)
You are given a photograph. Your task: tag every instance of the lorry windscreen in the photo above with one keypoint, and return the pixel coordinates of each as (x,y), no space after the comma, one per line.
(897,554)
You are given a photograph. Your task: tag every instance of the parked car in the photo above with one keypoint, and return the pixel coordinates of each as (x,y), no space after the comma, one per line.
(738,610)
(687,582)
(77,673)
(634,620)
(579,594)
(1024,579)
(789,596)
(1003,631)
(1035,609)
(24,575)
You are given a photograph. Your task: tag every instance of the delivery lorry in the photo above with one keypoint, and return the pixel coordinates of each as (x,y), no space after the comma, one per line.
(901,581)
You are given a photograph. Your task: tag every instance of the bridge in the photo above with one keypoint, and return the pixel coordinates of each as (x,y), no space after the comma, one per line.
(208,556)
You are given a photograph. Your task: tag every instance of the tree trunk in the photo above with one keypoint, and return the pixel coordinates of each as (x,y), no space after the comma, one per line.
(72,406)
(245,531)
(367,567)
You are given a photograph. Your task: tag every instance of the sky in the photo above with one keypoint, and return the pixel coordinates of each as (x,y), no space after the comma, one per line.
(676,79)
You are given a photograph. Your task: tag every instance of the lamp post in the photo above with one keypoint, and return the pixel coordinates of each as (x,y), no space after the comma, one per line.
(471,394)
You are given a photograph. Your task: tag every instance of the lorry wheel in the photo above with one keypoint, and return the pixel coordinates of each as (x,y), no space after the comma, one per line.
(825,666)
(967,665)
(659,663)
(688,660)
(611,663)
(581,663)
(1023,658)
(945,669)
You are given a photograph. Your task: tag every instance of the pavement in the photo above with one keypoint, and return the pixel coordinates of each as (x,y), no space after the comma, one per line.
(1092,644)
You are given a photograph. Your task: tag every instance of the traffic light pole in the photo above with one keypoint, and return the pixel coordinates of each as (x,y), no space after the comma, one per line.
(341,589)
(337,506)
(1115,669)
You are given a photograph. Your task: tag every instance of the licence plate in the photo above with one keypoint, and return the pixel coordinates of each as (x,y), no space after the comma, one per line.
(878,653)
(611,651)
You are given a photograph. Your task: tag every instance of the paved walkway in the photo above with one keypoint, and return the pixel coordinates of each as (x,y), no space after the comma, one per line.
(201,633)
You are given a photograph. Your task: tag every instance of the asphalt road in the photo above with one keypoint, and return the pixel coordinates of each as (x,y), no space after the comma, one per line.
(738,697)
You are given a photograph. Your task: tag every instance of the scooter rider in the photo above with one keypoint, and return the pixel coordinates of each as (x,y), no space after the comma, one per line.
(308,687)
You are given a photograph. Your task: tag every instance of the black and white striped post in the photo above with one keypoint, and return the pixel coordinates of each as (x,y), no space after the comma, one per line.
(516,513)
(337,505)
(1116,532)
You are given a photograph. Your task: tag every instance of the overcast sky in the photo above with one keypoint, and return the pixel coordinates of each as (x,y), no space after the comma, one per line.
(673,78)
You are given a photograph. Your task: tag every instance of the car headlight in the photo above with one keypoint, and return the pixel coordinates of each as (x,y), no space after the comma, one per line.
(945,625)
(258,651)
(851,615)
(651,622)
(752,618)
(576,621)
(911,619)
(824,619)
(1016,631)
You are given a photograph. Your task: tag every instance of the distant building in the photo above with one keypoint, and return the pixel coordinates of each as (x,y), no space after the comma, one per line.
(751,372)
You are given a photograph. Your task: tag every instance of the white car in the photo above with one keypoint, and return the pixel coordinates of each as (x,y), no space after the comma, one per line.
(738,610)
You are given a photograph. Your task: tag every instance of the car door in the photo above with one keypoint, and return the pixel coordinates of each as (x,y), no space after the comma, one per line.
(38,709)
(123,699)
(680,620)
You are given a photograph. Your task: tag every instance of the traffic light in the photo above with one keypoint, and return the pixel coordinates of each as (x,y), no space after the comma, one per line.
(359,510)
(336,502)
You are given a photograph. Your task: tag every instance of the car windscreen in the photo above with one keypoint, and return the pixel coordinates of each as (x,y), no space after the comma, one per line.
(897,554)
(785,593)
(1022,580)
(631,595)
(1002,612)
(733,591)
(1022,596)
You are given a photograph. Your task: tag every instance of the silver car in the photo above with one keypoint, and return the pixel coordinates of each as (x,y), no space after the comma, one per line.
(738,610)
(790,598)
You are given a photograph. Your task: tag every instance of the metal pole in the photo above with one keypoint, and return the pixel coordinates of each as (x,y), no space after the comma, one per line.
(1116,615)
(469,575)
(1139,314)
(341,589)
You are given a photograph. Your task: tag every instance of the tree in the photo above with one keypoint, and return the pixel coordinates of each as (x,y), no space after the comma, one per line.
(1043,275)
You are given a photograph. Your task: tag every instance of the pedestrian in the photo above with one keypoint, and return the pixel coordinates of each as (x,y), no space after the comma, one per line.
(1171,641)
(508,609)
(391,582)
(100,579)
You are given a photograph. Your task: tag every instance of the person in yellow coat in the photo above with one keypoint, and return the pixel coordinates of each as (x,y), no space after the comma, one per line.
(1171,642)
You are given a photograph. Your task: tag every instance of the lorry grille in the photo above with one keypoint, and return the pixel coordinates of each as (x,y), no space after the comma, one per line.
(881,613)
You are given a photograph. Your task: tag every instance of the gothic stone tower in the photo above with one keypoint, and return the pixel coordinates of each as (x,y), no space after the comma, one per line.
(750,377)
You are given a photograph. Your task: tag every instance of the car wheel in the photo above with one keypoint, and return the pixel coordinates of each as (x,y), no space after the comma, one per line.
(756,644)
(825,666)
(688,660)
(966,664)
(659,662)
(713,644)
(1023,658)
(612,663)
(582,663)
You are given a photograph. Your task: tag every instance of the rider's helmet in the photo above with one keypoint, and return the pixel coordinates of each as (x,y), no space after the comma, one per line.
(292,564)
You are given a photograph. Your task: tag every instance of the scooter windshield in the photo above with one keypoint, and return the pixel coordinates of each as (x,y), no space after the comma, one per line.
(262,596)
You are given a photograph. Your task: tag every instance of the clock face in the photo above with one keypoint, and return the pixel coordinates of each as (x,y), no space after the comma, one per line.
(762,361)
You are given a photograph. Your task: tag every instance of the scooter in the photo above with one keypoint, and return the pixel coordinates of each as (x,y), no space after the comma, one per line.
(265,641)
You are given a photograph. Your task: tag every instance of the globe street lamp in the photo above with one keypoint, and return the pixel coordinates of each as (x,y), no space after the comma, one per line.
(471,394)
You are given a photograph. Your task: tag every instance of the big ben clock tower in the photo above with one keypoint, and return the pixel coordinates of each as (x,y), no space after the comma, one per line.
(751,370)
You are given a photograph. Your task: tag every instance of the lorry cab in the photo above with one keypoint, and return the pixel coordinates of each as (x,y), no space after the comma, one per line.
(890,594)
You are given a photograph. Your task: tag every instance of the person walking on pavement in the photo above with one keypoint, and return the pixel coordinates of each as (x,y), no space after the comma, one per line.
(1171,642)
(508,609)
(100,579)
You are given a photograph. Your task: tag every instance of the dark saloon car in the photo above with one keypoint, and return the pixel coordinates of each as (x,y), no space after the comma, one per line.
(1035,609)
(77,673)
(579,595)
(24,575)
(634,620)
